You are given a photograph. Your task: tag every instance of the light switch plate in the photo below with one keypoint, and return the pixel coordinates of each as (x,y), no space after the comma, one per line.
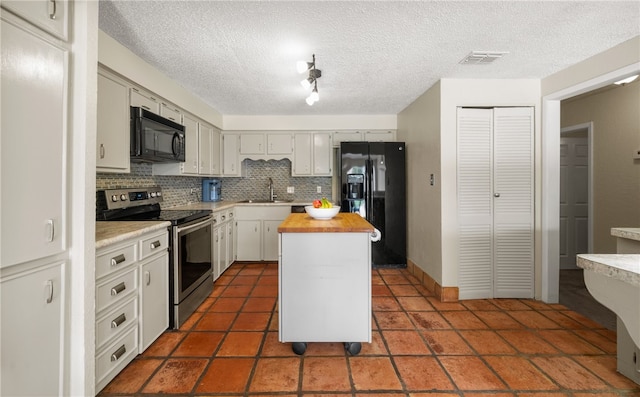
(290,189)
(318,189)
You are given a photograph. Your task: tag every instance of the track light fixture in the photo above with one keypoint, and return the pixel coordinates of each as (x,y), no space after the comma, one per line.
(312,79)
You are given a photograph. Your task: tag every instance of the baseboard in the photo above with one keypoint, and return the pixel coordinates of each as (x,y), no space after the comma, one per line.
(444,294)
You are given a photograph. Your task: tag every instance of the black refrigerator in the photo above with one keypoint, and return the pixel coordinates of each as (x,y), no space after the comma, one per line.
(373,183)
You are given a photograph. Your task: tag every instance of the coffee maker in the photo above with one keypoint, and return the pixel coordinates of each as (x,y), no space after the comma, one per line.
(211,189)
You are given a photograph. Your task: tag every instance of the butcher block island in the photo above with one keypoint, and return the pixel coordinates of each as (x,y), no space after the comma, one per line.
(325,281)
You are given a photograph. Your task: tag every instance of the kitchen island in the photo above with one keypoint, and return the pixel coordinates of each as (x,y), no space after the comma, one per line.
(324,269)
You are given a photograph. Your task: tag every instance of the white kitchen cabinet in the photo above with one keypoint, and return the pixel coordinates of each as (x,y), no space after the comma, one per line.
(252,143)
(231,159)
(204,151)
(216,152)
(270,239)
(223,241)
(211,149)
(280,144)
(170,112)
(313,154)
(142,99)
(32,338)
(34,124)
(112,141)
(231,240)
(380,136)
(249,235)
(49,15)
(132,300)
(215,236)
(347,136)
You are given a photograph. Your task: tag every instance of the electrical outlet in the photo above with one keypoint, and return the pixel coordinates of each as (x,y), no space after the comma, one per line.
(193,190)
(318,189)
(290,189)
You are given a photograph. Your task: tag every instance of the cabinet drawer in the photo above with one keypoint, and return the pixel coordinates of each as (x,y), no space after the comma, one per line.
(154,244)
(116,289)
(114,323)
(115,357)
(113,260)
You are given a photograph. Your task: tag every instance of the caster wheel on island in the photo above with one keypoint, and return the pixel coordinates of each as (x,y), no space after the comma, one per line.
(353,347)
(299,347)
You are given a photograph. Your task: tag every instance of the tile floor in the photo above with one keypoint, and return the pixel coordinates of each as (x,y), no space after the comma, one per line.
(421,347)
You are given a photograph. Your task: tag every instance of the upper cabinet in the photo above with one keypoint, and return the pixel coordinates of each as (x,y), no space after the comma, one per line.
(280,143)
(112,139)
(50,15)
(312,154)
(231,157)
(266,145)
(252,143)
(171,112)
(145,100)
(363,136)
(347,136)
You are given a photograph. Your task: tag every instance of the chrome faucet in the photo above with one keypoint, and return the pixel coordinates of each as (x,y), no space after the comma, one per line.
(272,195)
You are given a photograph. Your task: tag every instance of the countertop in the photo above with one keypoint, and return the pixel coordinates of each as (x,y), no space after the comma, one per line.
(341,223)
(221,205)
(112,232)
(624,267)
(631,233)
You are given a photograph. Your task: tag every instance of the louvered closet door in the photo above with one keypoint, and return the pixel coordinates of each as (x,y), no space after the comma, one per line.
(495,203)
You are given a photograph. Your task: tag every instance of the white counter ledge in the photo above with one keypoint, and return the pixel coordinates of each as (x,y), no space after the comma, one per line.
(623,267)
(111,232)
(631,233)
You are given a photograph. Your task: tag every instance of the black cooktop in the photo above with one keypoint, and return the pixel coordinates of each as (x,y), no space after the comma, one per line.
(153,213)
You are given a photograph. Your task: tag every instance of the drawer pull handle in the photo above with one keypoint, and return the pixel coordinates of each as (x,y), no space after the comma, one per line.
(147,275)
(115,323)
(224,217)
(52,15)
(48,291)
(118,289)
(118,260)
(155,244)
(118,353)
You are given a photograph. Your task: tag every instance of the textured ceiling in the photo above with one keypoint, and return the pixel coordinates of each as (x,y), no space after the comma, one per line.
(375,57)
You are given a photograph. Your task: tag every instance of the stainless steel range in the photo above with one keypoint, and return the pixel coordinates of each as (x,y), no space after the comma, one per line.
(190,243)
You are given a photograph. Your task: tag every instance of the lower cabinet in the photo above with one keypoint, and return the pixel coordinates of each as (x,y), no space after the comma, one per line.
(249,234)
(224,252)
(132,300)
(32,319)
(257,231)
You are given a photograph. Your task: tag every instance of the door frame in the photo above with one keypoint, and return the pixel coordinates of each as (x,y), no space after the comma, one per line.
(551,174)
(588,126)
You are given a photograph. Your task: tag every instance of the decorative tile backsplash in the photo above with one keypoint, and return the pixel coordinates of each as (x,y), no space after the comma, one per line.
(183,190)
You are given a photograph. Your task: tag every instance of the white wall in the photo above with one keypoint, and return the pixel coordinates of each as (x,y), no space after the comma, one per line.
(324,122)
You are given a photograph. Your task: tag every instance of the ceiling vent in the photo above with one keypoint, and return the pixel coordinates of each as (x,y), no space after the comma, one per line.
(482,57)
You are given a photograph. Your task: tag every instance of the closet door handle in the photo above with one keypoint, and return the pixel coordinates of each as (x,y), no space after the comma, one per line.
(496,194)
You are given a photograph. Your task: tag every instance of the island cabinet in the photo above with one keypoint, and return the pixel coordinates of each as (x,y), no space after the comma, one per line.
(324,270)
(257,231)
(132,296)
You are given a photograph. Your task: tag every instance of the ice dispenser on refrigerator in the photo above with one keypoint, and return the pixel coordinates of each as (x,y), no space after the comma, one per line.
(211,189)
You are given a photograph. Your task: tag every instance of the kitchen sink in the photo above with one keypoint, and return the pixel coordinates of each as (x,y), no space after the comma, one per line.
(265,201)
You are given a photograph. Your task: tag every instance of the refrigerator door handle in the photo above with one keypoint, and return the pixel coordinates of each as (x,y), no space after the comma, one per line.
(369,196)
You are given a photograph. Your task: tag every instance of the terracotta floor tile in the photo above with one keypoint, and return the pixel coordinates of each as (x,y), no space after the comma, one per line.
(510,304)
(241,344)
(380,290)
(568,342)
(405,343)
(395,279)
(224,279)
(479,304)
(191,321)
(215,321)
(259,305)
(376,279)
(244,280)
(133,376)
(325,374)
(415,304)
(428,320)
(164,345)
(463,320)
(265,291)
(198,344)
(424,291)
(586,322)
(527,342)
(251,322)
(205,305)
(251,270)
(598,340)
(606,368)
(519,373)
(569,374)
(274,348)
(487,342)
(373,373)
(227,304)
(384,303)
(325,349)
(561,319)
(445,306)
(548,394)
(276,375)
(533,319)
(539,305)
(422,373)
(226,375)
(393,320)
(446,342)
(236,291)
(498,320)
(470,373)
(404,290)
(177,375)
(268,280)
(376,347)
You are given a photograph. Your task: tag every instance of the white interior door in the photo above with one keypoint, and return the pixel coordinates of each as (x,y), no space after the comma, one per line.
(574,199)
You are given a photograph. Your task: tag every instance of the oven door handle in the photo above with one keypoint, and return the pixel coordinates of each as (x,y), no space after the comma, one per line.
(198,224)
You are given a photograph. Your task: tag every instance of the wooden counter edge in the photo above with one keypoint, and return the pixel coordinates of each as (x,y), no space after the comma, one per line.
(342,223)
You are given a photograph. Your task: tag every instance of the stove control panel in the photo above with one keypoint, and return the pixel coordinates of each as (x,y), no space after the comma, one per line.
(129,197)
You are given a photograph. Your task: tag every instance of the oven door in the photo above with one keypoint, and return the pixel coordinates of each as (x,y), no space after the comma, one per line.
(192,257)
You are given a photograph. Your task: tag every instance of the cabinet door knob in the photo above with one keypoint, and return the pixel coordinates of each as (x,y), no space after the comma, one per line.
(50,230)
(48,291)
(54,10)
(147,276)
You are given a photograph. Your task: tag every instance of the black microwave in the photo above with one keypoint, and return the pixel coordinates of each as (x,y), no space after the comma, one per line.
(155,139)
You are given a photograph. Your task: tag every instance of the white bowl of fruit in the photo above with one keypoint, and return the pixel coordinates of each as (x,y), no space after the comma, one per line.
(322,209)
